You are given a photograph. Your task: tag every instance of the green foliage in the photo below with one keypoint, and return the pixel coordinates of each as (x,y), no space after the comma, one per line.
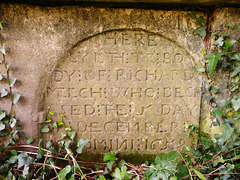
(63,173)
(16,98)
(201,31)
(4,92)
(121,174)
(12,81)
(217,158)
(192,15)
(45,129)
(80,145)
(199,174)
(163,167)
(110,157)
(213,60)
(29,139)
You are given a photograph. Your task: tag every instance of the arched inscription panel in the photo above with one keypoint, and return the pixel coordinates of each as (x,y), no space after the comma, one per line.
(127,90)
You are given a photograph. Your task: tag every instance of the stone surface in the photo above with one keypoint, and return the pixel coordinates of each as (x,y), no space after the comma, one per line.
(123,78)
(130,90)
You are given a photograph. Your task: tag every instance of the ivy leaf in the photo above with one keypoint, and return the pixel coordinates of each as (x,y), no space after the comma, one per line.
(59,123)
(101,177)
(48,144)
(238,28)
(4,132)
(236,104)
(201,31)
(236,56)
(110,156)
(167,164)
(214,90)
(1,27)
(61,143)
(16,97)
(208,86)
(13,157)
(67,143)
(192,15)
(2,114)
(220,160)
(210,57)
(51,113)
(201,69)
(137,178)
(200,175)
(42,152)
(63,135)
(149,172)
(4,92)
(2,126)
(1,77)
(12,122)
(202,20)
(25,171)
(206,142)
(208,98)
(24,160)
(12,81)
(54,125)
(19,127)
(226,133)
(219,42)
(67,128)
(48,120)
(72,134)
(2,50)
(235,72)
(80,145)
(119,175)
(63,173)
(213,60)
(229,44)
(182,171)
(45,129)
(29,139)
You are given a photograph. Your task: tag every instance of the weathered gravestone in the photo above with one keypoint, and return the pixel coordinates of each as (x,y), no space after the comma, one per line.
(124,78)
(127,89)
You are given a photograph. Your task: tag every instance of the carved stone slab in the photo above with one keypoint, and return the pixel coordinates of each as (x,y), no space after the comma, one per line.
(130,90)
(124,78)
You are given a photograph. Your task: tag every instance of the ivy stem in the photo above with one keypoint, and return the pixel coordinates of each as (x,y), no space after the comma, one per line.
(8,80)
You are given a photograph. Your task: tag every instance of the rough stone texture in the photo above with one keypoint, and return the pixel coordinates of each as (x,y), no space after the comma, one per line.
(127,89)
(125,78)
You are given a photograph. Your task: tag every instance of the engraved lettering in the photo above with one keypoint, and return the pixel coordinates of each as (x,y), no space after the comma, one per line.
(89,109)
(125,39)
(139,39)
(58,75)
(94,127)
(151,40)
